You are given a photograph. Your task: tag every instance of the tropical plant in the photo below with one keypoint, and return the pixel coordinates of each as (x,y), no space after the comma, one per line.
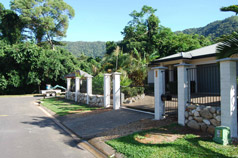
(228,47)
(26,67)
(45,19)
(11,26)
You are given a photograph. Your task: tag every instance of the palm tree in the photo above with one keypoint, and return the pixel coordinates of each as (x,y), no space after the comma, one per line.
(233,8)
(228,47)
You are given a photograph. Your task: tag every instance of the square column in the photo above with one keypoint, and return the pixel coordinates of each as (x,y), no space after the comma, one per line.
(89,87)
(77,81)
(159,89)
(68,84)
(107,90)
(228,95)
(68,87)
(182,91)
(116,90)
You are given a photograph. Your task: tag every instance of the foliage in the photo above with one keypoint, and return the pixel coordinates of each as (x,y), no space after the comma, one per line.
(229,43)
(98,82)
(45,19)
(110,47)
(141,33)
(90,49)
(216,29)
(233,8)
(89,64)
(63,107)
(228,47)
(189,145)
(3,82)
(25,67)
(11,26)
(132,91)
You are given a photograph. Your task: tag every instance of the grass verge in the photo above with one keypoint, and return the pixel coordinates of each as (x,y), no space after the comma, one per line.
(62,106)
(143,144)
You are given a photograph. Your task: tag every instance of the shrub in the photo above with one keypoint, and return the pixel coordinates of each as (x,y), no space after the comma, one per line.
(98,83)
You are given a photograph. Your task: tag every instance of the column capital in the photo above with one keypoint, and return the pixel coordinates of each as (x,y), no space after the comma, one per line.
(183,65)
(159,67)
(89,76)
(116,73)
(106,74)
(227,59)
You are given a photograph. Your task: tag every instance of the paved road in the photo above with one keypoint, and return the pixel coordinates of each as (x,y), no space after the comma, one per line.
(26,132)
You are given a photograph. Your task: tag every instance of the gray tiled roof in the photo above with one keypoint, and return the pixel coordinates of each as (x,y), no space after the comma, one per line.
(208,50)
(78,72)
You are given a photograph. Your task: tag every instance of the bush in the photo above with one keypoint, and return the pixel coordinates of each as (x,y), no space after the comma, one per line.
(25,67)
(98,83)
(132,91)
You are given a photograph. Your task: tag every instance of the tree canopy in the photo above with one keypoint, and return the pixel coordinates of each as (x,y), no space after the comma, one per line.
(229,44)
(26,66)
(11,26)
(147,36)
(45,19)
(233,8)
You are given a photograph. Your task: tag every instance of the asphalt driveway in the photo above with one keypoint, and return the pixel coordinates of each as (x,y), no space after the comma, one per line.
(26,132)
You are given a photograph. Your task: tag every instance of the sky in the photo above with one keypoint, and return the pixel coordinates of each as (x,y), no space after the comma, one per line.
(104,20)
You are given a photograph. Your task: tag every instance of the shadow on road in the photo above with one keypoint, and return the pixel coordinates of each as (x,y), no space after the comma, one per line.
(46,122)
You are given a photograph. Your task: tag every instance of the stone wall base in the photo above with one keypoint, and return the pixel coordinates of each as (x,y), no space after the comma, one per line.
(204,118)
(94,100)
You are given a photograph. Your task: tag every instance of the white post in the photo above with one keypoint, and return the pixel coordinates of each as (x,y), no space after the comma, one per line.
(68,87)
(182,91)
(107,90)
(159,89)
(77,81)
(228,95)
(116,90)
(89,87)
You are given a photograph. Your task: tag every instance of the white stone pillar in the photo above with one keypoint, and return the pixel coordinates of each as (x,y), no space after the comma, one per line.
(228,95)
(107,90)
(159,89)
(68,87)
(77,81)
(116,90)
(182,91)
(89,87)
(171,74)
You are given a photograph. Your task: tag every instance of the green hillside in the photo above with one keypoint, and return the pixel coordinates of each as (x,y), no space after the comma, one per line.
(216,28)
(92,49)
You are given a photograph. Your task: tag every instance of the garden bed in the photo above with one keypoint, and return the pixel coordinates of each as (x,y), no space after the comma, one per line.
(171,141)
(61,106)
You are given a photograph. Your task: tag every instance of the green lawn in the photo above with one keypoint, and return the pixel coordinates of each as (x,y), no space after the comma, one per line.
(63,107)
(187,146)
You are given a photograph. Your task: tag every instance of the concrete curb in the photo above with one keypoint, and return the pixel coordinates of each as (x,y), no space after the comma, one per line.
(104,148)
(82,143)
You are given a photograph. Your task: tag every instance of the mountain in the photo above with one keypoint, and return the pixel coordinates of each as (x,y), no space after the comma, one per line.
(216,28)
(92,49)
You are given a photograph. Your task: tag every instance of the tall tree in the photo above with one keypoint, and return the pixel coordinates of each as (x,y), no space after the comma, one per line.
(229,45)
(11,26)
(45,19)
(232,8)
(141,31)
